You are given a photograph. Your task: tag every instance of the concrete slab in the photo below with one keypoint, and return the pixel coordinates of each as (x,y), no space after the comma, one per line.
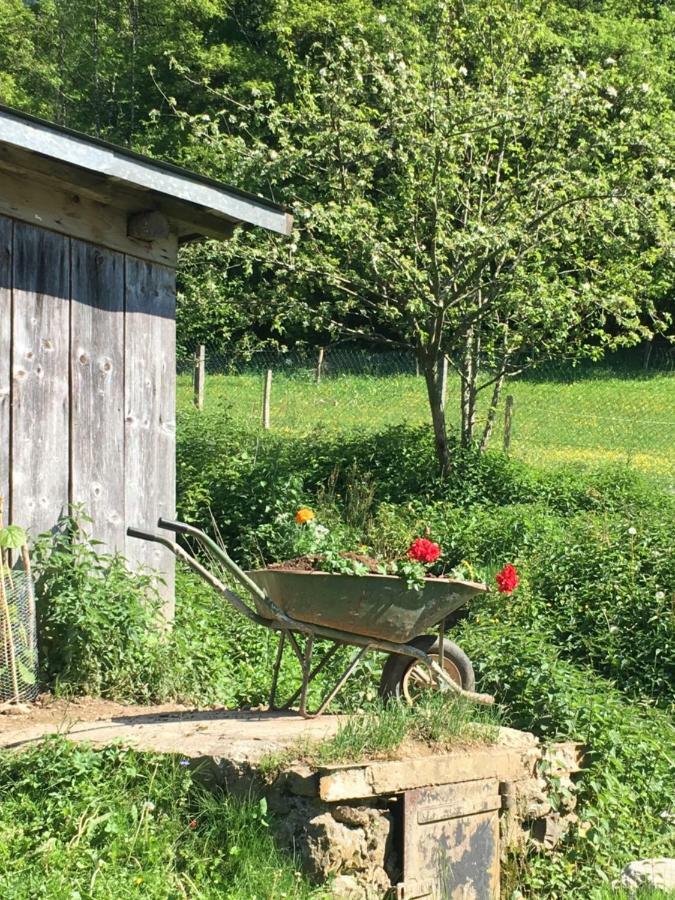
(239,736)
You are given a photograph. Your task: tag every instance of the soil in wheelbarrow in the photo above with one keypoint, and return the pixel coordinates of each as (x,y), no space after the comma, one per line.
(312,563)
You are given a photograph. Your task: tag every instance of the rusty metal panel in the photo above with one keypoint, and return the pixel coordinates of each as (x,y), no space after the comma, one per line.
(451,842)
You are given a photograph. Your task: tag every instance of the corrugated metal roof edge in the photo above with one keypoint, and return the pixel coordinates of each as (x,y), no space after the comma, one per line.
(145,160)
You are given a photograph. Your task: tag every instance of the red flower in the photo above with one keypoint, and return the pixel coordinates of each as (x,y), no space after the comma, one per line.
(423,550)
(193,824)
(507,579)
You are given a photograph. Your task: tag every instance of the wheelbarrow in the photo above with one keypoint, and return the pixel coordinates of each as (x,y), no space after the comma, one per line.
(369,612)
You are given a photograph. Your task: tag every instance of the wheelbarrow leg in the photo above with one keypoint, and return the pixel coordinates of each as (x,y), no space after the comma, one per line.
(275,675)
(315,671)
(306,663)
(356,659)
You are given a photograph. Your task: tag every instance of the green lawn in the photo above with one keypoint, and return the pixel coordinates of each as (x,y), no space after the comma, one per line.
(598,418)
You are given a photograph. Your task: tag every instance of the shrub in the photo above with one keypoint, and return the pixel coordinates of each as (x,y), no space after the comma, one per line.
(605,595)
(99,626)
(630,777)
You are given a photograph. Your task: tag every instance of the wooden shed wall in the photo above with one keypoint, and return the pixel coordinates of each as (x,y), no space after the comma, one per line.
(87,388)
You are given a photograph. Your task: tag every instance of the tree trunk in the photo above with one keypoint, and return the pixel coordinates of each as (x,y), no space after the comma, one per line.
(433,375)
(492,412)
(647,345)
(468,399)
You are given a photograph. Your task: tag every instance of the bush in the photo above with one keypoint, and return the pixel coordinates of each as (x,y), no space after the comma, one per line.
(99,627)
(243,479)
(602,594)
(630,777)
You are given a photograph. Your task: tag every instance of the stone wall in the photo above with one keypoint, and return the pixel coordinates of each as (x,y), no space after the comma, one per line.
(347,824)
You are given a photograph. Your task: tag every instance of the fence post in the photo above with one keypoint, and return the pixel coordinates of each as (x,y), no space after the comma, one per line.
(319,365)
(267,392)
(199,375)
(508,420)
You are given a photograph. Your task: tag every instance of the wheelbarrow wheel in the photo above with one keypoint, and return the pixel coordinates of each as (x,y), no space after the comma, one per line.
(406,678)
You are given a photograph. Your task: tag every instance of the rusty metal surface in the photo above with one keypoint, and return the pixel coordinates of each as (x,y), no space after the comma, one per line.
(451,842)
(378,606)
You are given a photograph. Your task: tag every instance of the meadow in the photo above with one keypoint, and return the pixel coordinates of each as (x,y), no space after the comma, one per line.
(598,414)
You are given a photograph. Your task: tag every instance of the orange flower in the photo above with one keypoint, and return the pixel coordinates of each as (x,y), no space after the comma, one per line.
(304,515)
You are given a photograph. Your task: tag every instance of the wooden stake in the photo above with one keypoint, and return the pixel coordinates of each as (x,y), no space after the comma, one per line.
(28,575)
(199,376)
(508,421)
(6,555)
(267,393)
(319,365)
(5,621)
(6,629)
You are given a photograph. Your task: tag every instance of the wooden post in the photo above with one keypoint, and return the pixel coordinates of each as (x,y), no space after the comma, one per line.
(199,376)
(267,393)
(319,364)
(508,420)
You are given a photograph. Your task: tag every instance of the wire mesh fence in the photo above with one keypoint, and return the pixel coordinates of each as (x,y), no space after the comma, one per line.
(619,410)
(18,639)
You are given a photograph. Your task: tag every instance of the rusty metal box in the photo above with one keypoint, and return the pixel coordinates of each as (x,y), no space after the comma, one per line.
(451,842)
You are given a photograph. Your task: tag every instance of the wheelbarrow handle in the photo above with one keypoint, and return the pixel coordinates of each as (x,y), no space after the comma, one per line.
(221,554)
(170,525)
(145,535)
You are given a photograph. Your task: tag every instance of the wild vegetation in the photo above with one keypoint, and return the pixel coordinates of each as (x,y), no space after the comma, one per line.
(75,822)
(584,649)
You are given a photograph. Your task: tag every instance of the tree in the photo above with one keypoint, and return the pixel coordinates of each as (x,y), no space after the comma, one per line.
(479,198)
(491,183)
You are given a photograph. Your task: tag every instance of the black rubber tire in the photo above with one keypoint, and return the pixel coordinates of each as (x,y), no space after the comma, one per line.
(396,666)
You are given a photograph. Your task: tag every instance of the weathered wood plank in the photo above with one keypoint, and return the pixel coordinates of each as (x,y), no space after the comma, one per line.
(97,390)
(5,354)
(150,389)
(40,407)
(42,201)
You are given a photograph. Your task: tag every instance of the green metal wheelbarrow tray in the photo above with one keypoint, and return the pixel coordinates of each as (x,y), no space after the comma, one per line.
(369,612)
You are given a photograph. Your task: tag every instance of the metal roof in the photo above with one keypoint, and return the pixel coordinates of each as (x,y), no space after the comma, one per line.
(135,171)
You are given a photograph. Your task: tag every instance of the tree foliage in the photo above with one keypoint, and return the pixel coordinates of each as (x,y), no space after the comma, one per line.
(488,183)
(482,195)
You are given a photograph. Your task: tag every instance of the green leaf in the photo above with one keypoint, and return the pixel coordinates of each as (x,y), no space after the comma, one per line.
(12,537)
(25,674)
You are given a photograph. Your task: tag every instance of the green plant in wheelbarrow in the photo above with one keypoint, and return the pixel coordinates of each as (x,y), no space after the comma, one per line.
(364,606)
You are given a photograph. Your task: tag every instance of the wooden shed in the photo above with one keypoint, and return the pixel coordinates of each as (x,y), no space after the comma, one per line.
(89,234)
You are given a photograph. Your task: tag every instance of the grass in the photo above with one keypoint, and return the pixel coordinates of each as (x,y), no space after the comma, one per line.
(114,824)
(437,721)
(602,417)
